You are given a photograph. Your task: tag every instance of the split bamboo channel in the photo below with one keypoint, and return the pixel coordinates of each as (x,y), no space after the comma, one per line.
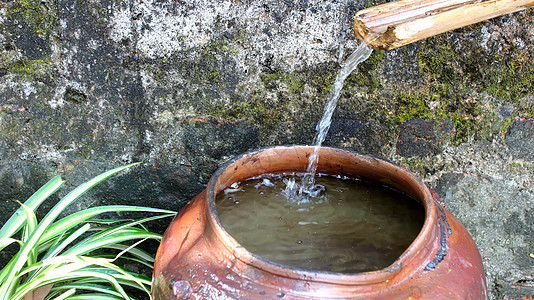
(402,22)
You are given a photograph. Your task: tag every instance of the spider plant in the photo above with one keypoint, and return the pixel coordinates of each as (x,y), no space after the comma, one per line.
(58,258)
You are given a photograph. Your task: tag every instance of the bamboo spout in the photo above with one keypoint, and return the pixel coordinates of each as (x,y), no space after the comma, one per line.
(405,21)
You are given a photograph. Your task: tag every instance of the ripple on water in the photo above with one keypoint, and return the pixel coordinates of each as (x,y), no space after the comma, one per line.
(354,226)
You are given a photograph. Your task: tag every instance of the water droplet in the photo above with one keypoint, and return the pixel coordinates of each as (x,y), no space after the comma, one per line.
(317,190)
(267,182)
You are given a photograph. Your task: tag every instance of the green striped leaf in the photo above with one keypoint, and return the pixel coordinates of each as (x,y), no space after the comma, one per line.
(72,220)
(61,276)
(13,269)
(16,221)
(66,294)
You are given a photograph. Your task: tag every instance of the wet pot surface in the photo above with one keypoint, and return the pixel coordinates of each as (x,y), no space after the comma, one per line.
(199,259)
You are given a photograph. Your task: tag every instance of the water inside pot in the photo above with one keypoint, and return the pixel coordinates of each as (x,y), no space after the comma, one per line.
(353,226)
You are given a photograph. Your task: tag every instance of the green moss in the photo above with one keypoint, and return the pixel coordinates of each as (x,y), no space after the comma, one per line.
(505,126)
(512,79)
(210,67)
(439,69)
(257,108)
(325,81)
(217,47)
(519,168)
(28,56)
(472,118)
(31,68)
(35,13)
(293,82)
(410,106)
(417,165)
(257,112)
(508,75)
(455,85)
(10,62)
(10,128)
(366,75)
(7,59)
(432,64)
(241,38)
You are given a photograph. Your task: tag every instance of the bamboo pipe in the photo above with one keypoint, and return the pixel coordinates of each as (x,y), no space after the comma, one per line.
(398,23)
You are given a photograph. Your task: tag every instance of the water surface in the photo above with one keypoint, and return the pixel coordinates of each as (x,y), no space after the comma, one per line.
(353,226)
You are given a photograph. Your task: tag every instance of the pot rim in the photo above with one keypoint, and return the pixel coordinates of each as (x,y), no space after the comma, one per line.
(424,240)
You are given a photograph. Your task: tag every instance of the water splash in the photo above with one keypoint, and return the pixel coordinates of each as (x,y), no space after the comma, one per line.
(307,185)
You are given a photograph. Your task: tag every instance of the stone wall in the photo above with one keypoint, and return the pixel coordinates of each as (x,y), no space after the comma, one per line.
(185,85)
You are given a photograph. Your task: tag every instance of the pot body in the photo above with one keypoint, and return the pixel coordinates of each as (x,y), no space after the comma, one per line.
(198,259)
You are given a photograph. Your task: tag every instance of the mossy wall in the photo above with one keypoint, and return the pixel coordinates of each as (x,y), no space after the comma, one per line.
(184,86)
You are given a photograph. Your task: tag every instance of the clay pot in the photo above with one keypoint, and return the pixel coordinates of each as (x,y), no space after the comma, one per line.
(198,259)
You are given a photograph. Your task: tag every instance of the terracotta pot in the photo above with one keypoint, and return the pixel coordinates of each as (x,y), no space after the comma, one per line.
(198,259)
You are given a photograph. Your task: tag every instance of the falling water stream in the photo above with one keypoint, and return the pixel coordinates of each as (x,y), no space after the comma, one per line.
(326,223)
(307,186)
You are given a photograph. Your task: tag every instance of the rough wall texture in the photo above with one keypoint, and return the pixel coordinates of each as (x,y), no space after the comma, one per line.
(184,85)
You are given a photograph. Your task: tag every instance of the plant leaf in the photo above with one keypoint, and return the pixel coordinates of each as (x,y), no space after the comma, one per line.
(78,217)
(123,280)
(66,294)
(58,248)
(101,267)
(66,263)
(65,242)
(122,276)
(61,277)
(113,235)
(4,242)
(133,251)
(88,287)
(9,282)
(147,264)
(129,276)
(95,296)
(120,279)
(126,226)
(16,221)
(31,224)
(123,235)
